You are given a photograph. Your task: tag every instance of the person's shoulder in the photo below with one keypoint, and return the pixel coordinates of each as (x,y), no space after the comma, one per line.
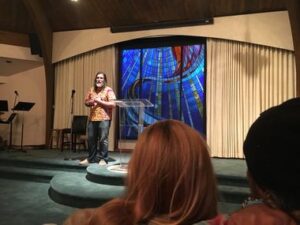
(259,214)
(107,88)
(109,91)
(220,219)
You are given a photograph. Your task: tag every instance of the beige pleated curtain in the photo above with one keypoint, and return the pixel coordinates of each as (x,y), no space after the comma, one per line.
(78,74)
(242,81)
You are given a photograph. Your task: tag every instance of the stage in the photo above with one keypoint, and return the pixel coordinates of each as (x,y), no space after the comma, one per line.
(66,185)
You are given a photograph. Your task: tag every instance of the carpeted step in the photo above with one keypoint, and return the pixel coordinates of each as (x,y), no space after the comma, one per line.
(227,207)
(101,185)
(52,164)
(102,175)
(76,191)
(230,180)
(233,194)
(27,174)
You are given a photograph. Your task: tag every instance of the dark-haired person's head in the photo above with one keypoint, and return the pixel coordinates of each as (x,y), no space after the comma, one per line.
(100,80)
(272,153)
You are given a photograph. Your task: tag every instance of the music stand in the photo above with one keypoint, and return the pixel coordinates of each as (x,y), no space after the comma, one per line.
(9,120)
(3,106)
(23,106)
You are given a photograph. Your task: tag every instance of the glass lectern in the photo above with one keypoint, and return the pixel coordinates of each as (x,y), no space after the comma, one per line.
(131,119)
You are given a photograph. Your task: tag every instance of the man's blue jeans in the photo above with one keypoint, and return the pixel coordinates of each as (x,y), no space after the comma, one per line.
(98,133)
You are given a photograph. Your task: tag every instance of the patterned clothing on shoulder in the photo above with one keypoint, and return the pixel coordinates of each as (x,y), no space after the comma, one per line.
(98,113)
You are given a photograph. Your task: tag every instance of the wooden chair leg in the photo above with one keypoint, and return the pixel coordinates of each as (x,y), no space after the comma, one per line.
(50,140)
(62,140)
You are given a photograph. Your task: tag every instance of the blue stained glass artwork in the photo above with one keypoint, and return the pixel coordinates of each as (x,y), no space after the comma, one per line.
(172,78)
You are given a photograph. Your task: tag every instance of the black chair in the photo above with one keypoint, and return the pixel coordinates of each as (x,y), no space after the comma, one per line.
(78,131)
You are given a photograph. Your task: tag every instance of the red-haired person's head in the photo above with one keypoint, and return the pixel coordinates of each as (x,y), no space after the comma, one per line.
(170,175)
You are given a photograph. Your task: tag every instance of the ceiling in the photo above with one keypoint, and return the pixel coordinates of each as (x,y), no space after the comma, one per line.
(65,15)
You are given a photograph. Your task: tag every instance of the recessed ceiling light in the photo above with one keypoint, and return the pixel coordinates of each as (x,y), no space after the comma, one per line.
(74,0)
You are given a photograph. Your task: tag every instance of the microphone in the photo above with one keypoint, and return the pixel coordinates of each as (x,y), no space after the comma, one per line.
(16,92)
(73,92)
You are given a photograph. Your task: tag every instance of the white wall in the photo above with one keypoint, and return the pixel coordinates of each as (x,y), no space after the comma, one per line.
(31,88)
(269,29)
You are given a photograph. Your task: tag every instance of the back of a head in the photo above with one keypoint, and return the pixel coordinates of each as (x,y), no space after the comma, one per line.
(170,175)
(272,152)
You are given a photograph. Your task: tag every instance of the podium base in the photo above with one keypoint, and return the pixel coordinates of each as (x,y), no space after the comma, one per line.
(118,168)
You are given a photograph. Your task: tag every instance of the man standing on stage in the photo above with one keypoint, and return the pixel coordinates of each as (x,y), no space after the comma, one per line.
(100,98)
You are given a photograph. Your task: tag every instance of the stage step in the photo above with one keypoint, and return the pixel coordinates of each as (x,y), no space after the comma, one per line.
(232,180)
(102,185)
(31,174)
(75,190)
(102,175)
(47,164)
(81,186)
(233,194)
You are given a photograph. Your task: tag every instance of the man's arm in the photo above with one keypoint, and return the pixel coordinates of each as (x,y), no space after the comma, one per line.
(106,104)
(89,101)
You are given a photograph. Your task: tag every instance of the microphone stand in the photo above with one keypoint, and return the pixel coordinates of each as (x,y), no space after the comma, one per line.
(10,125)
(71,132)
(22,150)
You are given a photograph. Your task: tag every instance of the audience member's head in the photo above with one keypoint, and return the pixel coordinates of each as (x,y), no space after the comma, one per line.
(272,152)
(170,175)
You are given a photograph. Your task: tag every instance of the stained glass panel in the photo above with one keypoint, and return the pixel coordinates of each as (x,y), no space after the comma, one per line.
(171,77)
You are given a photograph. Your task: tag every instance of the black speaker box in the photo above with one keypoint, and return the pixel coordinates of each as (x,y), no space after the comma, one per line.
(35,46)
